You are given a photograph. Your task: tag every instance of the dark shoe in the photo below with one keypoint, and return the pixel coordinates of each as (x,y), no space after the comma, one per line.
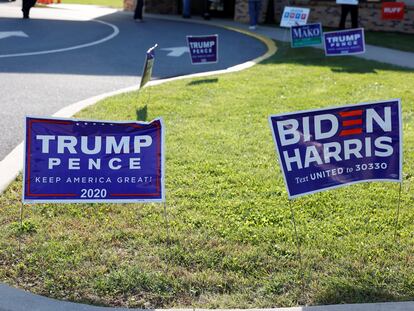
(25,14)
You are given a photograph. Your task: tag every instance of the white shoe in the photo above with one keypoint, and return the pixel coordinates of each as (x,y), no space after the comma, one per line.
(252,27)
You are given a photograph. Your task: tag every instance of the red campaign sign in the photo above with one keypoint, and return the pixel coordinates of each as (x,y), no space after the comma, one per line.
(393,10)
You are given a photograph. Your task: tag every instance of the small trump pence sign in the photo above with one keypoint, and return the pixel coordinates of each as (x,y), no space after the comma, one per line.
(344,42)
(203,49)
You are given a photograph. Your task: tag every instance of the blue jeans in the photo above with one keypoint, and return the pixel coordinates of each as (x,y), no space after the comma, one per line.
(254,11)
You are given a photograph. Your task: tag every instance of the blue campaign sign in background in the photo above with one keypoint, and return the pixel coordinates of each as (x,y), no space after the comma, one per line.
(344,42)
(306,35)
(203,49)
(329,148)
(93,161)
(148,65)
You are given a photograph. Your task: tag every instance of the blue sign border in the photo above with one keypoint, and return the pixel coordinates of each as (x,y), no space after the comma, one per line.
(132,200)
(203,36)
(398,100)
(345,30)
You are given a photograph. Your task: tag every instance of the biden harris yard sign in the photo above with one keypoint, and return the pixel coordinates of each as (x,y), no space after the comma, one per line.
(344,42)
(203,49)
(329,148)
(77,161)
(306,35)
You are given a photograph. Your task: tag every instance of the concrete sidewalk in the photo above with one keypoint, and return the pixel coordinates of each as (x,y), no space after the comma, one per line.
(12,299)
(376,53)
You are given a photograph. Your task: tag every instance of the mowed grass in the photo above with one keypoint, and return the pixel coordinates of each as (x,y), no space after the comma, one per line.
(231,241)
(392,40)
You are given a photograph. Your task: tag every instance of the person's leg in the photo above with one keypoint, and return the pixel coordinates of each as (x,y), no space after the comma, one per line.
(354,16)
(253,13)
(206,9)
(186,8)
(26,5)
(138,10)
(257,9)
(344,13)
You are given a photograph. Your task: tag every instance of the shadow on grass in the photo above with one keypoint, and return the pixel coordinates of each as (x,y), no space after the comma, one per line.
(204,81)
(362,291)
(316,57)
(142,113)
(352,70)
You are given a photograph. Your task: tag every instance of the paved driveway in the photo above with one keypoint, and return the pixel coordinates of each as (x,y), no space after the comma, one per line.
(69,53)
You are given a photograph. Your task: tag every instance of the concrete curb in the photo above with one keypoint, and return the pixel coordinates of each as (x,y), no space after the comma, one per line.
(12,164)
(19,300)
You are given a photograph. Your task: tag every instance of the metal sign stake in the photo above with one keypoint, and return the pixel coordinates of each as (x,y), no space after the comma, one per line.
(21,225)
(301,266)
(398,212)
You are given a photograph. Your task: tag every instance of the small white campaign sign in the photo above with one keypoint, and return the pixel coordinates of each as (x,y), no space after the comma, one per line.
(293,16)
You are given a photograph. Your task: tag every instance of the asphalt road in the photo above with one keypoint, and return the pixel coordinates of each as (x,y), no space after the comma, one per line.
(41,84)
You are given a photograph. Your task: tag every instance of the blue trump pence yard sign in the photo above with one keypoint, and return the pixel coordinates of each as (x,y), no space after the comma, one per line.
(69,160)
(344,42)
(203,49)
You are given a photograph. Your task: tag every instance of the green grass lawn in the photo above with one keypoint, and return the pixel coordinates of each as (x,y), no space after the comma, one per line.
(110,3)
(232,241)
(392,40)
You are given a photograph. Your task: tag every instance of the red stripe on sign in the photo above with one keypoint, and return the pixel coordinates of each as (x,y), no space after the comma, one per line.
(351,113)
(53,194)
(350,132)
(134,194)
(352,122)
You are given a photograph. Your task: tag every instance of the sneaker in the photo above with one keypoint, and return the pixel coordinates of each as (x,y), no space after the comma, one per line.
(252,27)
(138,20)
